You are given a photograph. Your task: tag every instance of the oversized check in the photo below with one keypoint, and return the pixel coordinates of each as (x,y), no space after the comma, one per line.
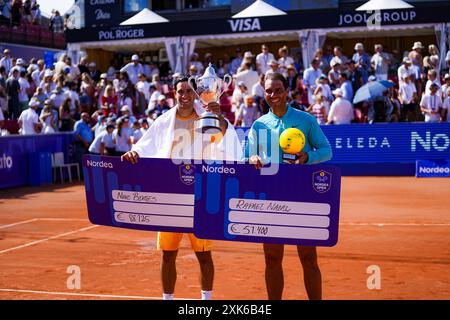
(154,194)
(298,205)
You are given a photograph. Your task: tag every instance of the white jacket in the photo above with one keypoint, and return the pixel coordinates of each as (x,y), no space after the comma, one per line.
(157,141)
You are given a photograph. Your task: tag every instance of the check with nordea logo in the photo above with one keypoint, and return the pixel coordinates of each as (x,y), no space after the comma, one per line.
(154,194)
(298,205)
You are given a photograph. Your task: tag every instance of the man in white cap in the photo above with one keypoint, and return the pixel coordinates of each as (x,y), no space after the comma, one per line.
(126,111)
(162,106)
(362,61)
(273,67)
(407,95)
(380,63)
(133,69)
(341,110)
(29,120)
(6,61)
(262,59)
(405,69)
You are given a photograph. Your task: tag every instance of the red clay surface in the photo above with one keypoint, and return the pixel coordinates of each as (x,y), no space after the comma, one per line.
(401,225)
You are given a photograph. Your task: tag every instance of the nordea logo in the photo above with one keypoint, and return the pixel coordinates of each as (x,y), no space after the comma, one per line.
(218,170)
(99,164)
(434,170)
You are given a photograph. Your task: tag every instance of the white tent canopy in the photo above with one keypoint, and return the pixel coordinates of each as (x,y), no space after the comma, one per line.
(145,16)
(373,5)
(259,9)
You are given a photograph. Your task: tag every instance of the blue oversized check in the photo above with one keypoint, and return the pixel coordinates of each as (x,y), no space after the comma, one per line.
(298,205)
(154,194)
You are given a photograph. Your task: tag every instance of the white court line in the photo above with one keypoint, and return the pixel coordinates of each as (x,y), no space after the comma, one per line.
(47,239)
(397,224)
(17,223)
(63,219)
(40,219)
(87,294)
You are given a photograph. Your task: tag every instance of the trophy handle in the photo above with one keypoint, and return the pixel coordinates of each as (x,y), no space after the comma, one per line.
(194,79)
(227,80)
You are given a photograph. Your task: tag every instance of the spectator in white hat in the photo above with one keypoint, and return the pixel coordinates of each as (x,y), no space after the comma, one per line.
(341,110)
(405,69)
(273,67)
(133,69)
(333,75)
(162,106)
(416,54)
(380,63)
(29,120)
(262,59)
(126,111)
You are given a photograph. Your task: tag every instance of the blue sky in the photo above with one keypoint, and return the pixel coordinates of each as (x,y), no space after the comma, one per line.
(61,5)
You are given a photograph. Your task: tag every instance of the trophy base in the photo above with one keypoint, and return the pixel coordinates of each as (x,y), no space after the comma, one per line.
(208,123)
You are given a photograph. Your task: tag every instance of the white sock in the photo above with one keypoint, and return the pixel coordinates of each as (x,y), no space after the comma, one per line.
(206,295)
(167,296)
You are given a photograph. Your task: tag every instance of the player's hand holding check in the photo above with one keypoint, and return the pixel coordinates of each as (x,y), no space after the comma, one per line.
(130,156)
(256,160)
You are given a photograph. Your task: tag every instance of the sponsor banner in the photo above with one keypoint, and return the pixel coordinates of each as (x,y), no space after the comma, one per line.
(433,169)
(297,205)
(102,12)
(103,20)
(385,142)
(154,194)
(14,155)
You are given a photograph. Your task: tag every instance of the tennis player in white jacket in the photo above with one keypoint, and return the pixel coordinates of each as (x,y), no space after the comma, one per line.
(172,136)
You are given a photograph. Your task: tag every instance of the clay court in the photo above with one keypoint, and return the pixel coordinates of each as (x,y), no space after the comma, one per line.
(401,225)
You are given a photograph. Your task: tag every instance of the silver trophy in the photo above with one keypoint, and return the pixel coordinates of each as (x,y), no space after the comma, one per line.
(209,89)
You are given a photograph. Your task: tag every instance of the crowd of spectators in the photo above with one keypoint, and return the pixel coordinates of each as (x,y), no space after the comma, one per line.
(109,111)
(16,13)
